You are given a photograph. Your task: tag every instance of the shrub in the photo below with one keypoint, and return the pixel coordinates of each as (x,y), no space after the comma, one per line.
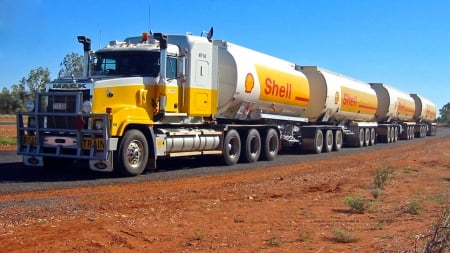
(375,192)
(343,236)
(357,203)
(413,208)
(274,241)
(381,176)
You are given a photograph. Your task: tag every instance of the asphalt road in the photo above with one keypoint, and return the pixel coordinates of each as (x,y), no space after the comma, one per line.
(15,177)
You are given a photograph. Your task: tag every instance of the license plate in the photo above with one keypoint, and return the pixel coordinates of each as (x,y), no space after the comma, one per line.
(59,106)
(91,142)
(29,140)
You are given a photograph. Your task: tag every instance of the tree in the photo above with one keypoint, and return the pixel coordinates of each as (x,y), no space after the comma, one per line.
(72,64)
(445,114)
(35,82)
(5,101)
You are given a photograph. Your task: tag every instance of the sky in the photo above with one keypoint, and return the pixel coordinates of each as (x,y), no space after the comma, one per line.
(403,43)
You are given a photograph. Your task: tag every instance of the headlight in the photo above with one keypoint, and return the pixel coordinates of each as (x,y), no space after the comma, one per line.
(30,106)
(87,106)
(98,124)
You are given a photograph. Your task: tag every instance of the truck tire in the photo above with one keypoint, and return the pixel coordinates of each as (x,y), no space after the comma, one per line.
(231,147)
(395,134)
(328,141)
(318,142)
(372,137)
(133,153)
(338,140)
(388,135)
(361,137)
(252,146)
(366,137)
(271,145)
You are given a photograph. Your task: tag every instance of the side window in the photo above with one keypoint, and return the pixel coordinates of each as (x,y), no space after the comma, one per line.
(171,71)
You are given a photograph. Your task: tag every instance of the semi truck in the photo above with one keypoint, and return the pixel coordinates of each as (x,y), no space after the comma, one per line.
(159,96)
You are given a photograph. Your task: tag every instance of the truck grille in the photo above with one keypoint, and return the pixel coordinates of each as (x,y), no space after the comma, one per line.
(61,129)
(62,103)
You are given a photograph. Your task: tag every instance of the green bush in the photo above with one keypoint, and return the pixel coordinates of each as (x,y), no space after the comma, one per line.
(357,203)
(343,236)
(381,176)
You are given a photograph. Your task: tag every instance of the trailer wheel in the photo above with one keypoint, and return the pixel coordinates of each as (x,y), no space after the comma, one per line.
(133,153)
(231,147)
(318,142)
(410,131)
(338,140)
(271,145)
(394,134)
(361,137)
(252,146)
(372,137)
(366,137)
(328,141)
(388,135)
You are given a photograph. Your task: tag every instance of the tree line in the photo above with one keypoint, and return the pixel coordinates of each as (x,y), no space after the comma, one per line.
(14,99)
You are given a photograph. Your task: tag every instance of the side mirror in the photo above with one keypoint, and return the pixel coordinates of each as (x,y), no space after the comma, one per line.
(182,66)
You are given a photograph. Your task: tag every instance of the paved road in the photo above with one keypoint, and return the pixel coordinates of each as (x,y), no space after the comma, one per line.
(14,177)
(8,123)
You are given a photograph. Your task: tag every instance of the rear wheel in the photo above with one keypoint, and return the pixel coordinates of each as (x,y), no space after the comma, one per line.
(338,140)
(271,145)
(231,147)
(328,141)
(388,135)
(318,142)
(372,137)
(361,137)
(423,131)
(410,133)
(395,134)
(366,137)
(133,153)
(252,146)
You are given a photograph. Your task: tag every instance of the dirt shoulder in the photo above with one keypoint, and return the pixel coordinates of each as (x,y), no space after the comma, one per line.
(297,208)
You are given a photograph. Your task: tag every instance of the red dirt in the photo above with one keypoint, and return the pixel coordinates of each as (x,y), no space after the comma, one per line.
(292,208)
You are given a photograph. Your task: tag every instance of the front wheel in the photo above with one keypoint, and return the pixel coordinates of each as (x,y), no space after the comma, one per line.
(133,153)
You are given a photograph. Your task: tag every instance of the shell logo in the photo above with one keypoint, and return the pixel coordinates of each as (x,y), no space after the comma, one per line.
(336,98)
(249,83)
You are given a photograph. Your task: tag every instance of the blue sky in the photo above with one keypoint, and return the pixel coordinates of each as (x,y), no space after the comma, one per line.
(405,44)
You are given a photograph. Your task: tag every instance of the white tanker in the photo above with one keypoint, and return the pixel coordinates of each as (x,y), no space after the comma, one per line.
(164,96)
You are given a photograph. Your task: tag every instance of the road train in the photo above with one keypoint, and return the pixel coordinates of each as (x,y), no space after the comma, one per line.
(159,96)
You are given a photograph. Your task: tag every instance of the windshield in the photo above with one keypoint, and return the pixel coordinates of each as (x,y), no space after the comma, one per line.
(127,64)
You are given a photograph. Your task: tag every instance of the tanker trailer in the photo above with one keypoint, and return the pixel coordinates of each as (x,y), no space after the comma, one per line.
(344,102)
(425,117)
(395,114)
(256,86)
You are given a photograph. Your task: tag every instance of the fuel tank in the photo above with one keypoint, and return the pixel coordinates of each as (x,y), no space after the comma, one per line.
(250,81)
(425,109)
(393,105)
(337,97)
